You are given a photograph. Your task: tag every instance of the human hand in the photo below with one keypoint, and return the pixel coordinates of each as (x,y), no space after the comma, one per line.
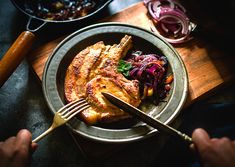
(16,151)
(214,152)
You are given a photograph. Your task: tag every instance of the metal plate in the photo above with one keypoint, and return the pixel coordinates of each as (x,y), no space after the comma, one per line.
(110,33)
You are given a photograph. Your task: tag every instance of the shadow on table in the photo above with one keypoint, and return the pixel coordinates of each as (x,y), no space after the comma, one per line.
(216,118)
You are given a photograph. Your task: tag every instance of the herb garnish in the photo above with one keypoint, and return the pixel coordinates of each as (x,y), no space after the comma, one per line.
(124,68)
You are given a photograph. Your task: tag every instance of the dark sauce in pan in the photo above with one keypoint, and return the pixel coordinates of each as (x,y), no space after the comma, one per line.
(60,10)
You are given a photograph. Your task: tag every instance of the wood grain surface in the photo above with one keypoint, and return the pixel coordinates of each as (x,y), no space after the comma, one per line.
(208,67)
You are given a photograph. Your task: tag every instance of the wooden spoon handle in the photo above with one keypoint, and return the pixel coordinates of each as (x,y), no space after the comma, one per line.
(15,54)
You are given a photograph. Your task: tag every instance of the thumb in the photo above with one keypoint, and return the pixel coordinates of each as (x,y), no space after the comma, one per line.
(34,146)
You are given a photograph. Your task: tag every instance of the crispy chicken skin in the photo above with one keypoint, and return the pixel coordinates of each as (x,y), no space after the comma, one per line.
(77,74)
(94,70)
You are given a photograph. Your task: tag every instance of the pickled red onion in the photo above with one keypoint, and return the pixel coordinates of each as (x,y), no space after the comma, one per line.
(170,20)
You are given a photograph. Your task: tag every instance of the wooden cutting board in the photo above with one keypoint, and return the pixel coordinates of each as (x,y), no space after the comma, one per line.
(208,68)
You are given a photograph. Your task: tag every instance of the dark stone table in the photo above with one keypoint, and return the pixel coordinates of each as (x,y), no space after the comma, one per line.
(22,104)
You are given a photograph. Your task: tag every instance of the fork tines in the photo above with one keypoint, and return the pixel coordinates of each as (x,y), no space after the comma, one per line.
(73,108)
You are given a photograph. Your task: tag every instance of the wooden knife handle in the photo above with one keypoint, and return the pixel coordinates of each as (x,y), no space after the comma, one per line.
(15,55)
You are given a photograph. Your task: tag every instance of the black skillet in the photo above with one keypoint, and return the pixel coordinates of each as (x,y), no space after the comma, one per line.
(23,43)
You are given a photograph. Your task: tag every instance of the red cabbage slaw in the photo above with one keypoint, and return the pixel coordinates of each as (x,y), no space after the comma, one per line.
(170,20)
(150,70)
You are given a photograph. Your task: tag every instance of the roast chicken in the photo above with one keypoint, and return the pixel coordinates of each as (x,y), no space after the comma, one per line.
(94,70)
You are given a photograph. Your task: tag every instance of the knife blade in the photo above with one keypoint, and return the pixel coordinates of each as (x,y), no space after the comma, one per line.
(161,127)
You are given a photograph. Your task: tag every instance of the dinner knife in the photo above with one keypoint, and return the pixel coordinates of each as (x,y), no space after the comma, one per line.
(161,127)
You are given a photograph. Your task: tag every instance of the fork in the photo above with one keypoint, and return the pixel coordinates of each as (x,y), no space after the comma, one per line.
(64,114)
